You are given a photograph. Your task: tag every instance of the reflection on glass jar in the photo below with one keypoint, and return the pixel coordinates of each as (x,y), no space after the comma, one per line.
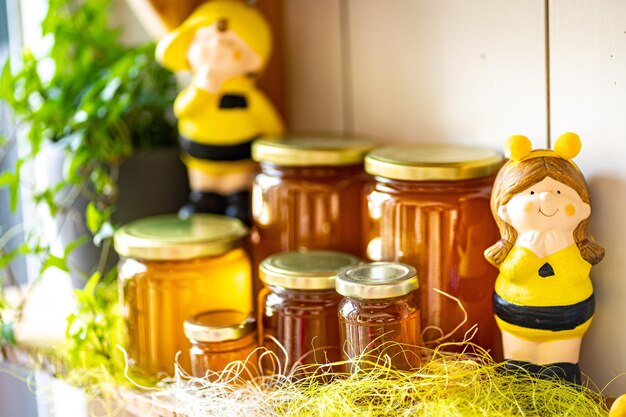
(172,269)
(298,307)
(223,339)
(379,315)
(430,208)
(309,195)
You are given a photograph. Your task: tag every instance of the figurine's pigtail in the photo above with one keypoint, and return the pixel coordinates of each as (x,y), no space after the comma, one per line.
(566,172)
(496,253)
(589,249)
(567,146)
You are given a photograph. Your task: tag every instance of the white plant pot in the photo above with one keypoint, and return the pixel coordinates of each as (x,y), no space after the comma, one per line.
(151,182)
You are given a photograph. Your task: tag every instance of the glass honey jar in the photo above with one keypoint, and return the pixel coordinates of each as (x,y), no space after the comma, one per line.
(379,315)
(220,338)
(298,307)
(172,269)
(429,208)
(308,195)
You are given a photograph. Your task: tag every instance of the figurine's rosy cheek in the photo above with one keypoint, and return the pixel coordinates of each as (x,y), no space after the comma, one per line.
(237,55)
(528,207)
(570,210)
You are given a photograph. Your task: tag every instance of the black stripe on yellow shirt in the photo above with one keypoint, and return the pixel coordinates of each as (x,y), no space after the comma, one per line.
(236,152)
(556,318)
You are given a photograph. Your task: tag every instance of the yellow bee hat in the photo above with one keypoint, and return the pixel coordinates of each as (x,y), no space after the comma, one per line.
(518,148)
(246,21)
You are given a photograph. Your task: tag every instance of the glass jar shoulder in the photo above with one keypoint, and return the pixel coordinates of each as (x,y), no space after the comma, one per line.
(317,173)
(410,188)
(235,259)
(282,299)
(382,311)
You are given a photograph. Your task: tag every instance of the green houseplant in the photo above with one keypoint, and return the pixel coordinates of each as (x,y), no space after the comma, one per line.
(97,101)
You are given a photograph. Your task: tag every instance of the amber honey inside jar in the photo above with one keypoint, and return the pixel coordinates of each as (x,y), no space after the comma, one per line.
(379,315)
(298,307)
(308,195)
(218,340)
(429,208)
(172,269)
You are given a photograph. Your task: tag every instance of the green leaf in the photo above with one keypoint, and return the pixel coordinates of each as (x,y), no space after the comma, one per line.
(94,218)
(56,262)
(6,83)
(11,180)
(7,257)
(47,196)
(7,334)
(70,247)
(74,166)
(71,319)
(110,277)
(15,187)
(92,283)
(6,178)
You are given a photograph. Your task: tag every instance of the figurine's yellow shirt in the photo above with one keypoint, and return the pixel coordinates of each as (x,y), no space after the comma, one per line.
(201,119)
(519,281)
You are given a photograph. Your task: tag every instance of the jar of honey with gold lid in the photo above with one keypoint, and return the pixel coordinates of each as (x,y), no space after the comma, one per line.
(429,208)
(298,307)
(223,339)
(379,315)
(308,195)
(172,269)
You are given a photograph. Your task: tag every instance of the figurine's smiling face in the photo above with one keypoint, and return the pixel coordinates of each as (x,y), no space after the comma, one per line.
(217,54)
(546,206)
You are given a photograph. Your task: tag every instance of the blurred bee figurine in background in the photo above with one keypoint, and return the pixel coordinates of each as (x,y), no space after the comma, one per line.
(543,299)
(225,44)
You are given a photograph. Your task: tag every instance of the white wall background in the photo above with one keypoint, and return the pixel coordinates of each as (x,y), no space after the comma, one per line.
(588,96)
(477,72)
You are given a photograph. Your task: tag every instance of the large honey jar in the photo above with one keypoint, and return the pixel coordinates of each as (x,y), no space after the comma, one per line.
(171,270)
(298,307)
(429,208)
(379,315)
(308,195)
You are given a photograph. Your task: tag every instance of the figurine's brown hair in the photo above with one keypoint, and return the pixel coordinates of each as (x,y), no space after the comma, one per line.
(515,177)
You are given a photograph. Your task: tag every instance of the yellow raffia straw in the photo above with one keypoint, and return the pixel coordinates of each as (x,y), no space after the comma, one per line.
(446,385)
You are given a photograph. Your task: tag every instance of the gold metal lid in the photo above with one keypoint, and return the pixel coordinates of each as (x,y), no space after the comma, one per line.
(170,238)
(313,270)
(377,280)
(311,150)
(432,162)
(219,326)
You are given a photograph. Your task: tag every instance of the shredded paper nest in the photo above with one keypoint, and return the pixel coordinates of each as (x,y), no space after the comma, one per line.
(445,385)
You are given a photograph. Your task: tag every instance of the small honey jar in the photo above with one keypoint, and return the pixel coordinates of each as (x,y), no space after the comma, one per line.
(298,306)
(379,315)
(219,338)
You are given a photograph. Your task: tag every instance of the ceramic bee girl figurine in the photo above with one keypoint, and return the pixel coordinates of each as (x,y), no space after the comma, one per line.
(225,44)
(543,299)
